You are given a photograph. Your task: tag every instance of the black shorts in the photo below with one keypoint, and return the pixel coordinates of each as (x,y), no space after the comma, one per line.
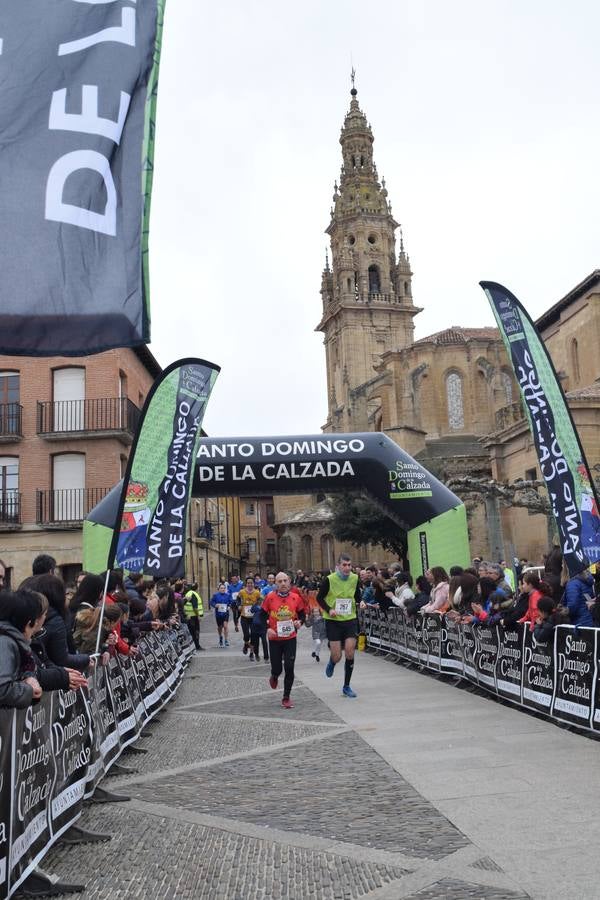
(339,631)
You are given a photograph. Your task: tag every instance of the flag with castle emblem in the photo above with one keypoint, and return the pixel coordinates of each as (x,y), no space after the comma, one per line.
(141,525)
(151,524)
(78,83)
(563,465)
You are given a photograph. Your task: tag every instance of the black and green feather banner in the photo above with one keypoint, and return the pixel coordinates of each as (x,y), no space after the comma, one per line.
(148,532)
(78,88)
(562,461)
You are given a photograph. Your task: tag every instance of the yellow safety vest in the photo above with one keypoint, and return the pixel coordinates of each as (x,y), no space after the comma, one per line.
(188,607)
(340,592)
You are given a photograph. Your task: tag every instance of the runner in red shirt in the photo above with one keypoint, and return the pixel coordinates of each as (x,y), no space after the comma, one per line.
(284,612)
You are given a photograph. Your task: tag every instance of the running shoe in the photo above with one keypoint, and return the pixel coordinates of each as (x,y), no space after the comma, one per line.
(329,668)
(318,658)
(348,692)
(227,643)
(245,649)
(313,654)
(251,657)
(287,703)
(273,682)
(221,642)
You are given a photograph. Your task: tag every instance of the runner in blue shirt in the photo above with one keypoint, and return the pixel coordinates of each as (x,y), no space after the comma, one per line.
(270,585)
(222,602)
(234,587)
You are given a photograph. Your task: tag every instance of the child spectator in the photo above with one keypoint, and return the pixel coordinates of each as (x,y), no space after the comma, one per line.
(85,634)
(546,620)
(531,586)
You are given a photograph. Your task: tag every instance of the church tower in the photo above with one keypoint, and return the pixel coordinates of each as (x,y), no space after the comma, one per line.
(367,294)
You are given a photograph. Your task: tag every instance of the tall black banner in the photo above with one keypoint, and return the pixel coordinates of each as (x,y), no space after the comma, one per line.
(147,530)
(78,93)
(562,461)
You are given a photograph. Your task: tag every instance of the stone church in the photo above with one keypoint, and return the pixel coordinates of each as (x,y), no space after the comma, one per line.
(448,399)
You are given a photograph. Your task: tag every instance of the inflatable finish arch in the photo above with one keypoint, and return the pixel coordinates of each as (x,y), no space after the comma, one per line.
(433,517)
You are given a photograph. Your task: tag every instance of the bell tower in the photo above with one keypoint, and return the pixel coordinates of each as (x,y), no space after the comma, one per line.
(366,293)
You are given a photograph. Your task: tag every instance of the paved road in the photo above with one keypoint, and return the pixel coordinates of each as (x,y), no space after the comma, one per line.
(414,790)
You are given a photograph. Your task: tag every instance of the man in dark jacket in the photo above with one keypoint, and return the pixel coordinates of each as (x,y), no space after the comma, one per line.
(579,596)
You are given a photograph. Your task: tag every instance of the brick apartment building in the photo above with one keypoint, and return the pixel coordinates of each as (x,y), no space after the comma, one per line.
(66,427)
(258,540)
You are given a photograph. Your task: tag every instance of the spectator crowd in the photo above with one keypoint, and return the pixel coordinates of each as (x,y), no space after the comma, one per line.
(490,593)
(51,636)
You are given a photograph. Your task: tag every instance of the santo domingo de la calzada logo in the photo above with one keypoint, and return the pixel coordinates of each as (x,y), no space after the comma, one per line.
(407,481)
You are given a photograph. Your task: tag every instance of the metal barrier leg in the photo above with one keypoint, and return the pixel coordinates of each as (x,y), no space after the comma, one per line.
(132,749)
(43,884)
(120,769)
(101,795)
(77,835)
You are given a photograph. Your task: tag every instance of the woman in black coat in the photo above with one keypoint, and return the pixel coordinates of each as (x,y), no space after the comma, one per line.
(56,638)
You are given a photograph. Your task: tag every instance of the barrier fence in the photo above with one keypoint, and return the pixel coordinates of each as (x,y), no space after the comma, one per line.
(558,679)
(53,754)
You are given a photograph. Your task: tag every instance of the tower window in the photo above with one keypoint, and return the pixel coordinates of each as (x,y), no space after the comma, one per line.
(351,239)
(372,239)
(349,284)
(454,396)
(374,280)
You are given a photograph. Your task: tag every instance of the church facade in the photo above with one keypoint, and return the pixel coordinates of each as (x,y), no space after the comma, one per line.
(449,399)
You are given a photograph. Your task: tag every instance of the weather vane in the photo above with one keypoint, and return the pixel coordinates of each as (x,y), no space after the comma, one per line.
(352,75)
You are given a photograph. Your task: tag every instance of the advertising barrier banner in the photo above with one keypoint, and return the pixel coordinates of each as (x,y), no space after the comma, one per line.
(53,754)
(558,678)
(538,673)
(575,668)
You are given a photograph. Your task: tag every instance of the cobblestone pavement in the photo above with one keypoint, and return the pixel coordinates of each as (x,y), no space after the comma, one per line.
(238,799)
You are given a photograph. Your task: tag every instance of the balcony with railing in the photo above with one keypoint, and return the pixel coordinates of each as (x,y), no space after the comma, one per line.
(106,417)
(11,422)
(67,507)
(509,415)
(10,510)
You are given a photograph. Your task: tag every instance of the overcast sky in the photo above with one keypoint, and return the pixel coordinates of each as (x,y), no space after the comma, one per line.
(485,116)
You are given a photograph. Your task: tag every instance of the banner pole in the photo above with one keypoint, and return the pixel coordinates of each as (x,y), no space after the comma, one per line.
(104,593)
